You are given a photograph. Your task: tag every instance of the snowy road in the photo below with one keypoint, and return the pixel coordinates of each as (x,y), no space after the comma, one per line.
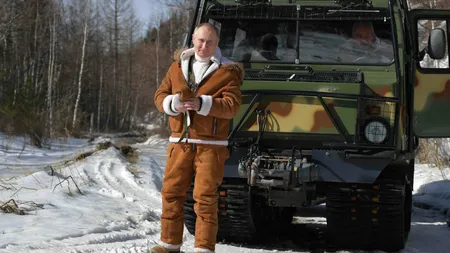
(119,206)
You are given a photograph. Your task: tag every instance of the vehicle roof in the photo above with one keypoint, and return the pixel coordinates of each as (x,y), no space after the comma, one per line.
(375,3)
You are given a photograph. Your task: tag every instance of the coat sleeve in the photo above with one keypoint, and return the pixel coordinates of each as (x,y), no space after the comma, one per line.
(227,104)
(164,100)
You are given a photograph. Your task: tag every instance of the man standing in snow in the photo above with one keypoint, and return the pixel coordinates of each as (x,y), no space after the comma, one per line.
(200,93)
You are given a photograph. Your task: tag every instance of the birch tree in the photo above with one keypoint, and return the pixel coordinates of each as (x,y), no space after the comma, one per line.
(132,26)
(87,11)
(50,73)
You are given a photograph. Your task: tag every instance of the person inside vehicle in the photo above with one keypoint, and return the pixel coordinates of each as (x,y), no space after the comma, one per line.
(365,40)
(363,34)
(269,44)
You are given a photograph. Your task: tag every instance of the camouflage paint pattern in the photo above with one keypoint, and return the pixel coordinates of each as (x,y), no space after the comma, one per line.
(300,114)
(431,105)
(305,114)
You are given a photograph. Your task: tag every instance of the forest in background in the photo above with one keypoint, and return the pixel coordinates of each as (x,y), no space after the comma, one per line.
(71,66)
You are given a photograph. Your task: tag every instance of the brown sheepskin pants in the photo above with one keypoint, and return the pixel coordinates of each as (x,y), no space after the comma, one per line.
(183,160)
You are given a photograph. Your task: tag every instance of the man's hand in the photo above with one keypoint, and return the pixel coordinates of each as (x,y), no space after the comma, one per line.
(192,104)
(181,109)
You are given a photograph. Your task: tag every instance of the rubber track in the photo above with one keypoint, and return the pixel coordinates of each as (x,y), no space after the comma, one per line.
(235,220)
(366,216)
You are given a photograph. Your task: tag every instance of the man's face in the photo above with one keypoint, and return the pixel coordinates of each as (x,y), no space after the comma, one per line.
(364,36)
(205,41)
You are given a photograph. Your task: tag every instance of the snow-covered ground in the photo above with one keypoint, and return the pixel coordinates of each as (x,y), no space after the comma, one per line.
(115,205)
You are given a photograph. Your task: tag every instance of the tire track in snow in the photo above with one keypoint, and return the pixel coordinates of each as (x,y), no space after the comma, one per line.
(109,176)
(120,179)
(113,242)
(113,179)
(109,171)
(109,190)
(137,184)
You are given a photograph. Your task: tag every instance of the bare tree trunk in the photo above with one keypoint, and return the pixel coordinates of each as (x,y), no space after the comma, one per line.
(165,118)
(50,74)
(110,92)
(130,73)
(83,52)
(4,64)
(99,55)
(99,103)
(16,85)
(92,124)
(124,114)
(116,61)
(36,52)
(136,102)
(136,98)
(157,56)
(170,36)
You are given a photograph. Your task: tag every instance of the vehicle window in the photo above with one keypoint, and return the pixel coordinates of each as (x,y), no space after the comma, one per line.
(247,41)
(339,42)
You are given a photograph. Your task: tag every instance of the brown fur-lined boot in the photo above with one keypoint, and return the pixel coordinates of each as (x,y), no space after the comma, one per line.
(161,249)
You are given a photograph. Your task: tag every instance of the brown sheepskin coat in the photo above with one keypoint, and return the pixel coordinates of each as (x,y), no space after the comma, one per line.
(219,91)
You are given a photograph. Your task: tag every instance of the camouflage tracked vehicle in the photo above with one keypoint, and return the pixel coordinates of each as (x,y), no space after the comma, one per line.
(334,100)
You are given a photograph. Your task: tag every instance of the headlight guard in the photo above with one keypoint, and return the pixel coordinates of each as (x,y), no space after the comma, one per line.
(376,130)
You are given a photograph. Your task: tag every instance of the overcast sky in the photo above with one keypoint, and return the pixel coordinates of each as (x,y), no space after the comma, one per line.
(146,10)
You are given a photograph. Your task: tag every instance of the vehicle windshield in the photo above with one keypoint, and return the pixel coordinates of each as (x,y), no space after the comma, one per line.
(339,42)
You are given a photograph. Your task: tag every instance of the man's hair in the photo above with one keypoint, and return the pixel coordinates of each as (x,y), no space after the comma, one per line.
(269,41)
(364,24)
(210,26)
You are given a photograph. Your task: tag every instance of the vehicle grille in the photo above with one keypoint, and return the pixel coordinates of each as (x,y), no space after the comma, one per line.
(313,76)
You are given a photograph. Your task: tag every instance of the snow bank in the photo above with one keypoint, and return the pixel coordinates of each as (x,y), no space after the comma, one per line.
(101,139)
(435,196)
(432,189)
(156,140)
(115,205)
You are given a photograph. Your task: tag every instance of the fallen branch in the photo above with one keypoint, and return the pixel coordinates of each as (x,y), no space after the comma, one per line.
(4,187)
(11,178)
(51,172)
(67,179)
(21,189)
(11,207)
(3,183)
(33,206)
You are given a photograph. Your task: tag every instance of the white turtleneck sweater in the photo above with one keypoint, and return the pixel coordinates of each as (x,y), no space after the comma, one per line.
(199,67)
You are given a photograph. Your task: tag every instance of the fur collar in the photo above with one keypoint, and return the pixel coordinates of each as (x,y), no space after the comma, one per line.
(235,67)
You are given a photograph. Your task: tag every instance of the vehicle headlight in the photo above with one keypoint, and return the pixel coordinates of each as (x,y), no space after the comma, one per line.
(376,131)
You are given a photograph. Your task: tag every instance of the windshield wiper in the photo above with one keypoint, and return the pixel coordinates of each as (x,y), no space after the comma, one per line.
(337,59)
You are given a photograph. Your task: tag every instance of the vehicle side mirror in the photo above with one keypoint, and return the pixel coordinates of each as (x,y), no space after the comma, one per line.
(437,44)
